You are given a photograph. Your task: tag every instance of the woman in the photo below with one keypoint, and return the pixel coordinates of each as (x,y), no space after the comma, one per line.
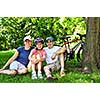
(18,62)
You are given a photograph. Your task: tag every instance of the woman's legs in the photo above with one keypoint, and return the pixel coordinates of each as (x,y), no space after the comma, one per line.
(22,71)
(15,68)
(9,72)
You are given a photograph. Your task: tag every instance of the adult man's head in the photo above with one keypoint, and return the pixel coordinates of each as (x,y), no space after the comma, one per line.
(50,42)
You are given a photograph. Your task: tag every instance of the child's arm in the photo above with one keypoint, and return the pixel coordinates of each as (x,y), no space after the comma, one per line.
(41,59)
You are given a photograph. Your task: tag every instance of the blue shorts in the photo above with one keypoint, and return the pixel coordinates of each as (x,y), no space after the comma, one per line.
(17,65)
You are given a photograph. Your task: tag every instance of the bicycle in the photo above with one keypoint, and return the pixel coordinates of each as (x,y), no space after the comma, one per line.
(76,50)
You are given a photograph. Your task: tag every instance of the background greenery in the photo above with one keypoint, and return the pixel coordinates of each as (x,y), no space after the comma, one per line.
(13,29)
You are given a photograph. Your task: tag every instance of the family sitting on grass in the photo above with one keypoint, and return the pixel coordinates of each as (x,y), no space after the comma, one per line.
(29,57)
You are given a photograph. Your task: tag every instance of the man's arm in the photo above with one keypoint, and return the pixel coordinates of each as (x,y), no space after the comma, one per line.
(59,51)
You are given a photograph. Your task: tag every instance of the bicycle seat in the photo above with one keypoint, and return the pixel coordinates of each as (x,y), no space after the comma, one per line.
(66,37)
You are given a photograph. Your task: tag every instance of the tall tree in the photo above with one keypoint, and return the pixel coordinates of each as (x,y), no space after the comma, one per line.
(91,53)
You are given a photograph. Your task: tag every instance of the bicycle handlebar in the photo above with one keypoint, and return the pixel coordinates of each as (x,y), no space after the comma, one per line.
(65,37)
(81,36)
(71,41)
(68,37)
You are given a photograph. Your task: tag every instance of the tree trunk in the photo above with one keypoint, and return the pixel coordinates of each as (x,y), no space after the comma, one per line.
(91,52)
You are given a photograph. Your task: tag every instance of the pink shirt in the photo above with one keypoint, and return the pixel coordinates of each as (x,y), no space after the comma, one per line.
(42,52)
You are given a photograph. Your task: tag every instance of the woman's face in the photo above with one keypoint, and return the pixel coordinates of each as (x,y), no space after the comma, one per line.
(39,45)
(27,43)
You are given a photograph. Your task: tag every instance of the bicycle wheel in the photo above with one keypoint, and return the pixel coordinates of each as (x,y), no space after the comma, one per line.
(79,54)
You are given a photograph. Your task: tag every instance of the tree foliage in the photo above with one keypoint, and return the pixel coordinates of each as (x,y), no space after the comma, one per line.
(13,29)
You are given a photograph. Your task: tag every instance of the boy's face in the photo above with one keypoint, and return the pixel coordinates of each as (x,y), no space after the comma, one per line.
(39,45)
(50,43)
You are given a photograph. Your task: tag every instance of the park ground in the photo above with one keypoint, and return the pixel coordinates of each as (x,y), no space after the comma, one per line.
(72,74)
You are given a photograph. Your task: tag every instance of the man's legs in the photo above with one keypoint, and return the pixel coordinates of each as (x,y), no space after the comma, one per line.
(62,65)
(47,70)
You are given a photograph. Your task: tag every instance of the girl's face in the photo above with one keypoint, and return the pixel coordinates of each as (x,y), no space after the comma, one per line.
(39,45)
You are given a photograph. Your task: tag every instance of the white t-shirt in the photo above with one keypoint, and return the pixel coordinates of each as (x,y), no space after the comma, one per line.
(50,52)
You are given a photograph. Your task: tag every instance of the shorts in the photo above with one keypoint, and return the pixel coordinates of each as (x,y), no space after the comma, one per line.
(54,66)
(17,65)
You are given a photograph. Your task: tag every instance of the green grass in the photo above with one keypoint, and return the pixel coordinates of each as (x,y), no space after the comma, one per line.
(72,75)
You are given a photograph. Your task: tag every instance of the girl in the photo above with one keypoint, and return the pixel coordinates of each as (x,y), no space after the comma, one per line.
(36,57)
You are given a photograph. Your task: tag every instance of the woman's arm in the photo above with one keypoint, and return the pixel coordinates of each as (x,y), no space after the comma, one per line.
(11,59)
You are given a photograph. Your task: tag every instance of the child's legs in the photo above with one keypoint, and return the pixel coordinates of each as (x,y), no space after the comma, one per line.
(33,67)
(39,66)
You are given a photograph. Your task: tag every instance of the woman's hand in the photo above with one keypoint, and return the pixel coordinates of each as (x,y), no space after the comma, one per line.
(2,69)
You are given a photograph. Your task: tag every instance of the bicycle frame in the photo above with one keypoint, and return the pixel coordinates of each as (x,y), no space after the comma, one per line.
(70,52)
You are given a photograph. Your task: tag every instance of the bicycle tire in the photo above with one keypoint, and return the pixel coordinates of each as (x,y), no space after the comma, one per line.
(79,54)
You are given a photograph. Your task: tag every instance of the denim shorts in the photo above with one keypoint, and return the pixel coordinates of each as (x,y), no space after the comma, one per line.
(17,65)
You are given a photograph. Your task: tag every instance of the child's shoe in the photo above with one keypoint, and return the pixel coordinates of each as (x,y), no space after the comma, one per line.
(34,75)
(40,75)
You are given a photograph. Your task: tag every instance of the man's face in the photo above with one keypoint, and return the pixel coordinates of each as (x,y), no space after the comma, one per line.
(50,43)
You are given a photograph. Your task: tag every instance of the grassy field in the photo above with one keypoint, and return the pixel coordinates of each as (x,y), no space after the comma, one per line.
(72,75)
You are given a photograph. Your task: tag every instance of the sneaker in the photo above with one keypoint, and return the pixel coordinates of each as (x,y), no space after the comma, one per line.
(51,78)
(40,76)
(34,76)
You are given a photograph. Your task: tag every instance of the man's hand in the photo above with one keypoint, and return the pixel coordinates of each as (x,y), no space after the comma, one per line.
(53,56)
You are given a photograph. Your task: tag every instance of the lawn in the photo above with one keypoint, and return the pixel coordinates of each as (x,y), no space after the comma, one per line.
(72,75)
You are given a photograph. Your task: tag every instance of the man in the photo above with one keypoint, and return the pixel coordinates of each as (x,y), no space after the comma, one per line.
(18,62)
(54,58)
